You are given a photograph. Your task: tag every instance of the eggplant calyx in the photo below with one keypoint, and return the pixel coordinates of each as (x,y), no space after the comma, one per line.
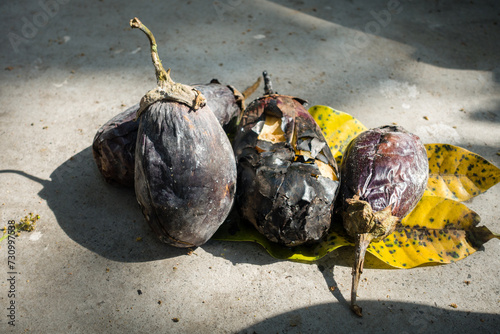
(251,89)
(359,218)
(175,92)
(167,89)
(365,225)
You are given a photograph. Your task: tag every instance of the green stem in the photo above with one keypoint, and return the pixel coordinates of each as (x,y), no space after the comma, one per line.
(4,237)
(16,230)
(161,74)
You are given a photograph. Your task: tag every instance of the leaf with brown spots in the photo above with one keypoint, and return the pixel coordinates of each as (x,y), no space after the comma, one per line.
(338,127)
(438,230)
(457,173)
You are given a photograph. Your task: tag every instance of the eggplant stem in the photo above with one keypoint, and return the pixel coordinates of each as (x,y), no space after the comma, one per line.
(268,86)
(167,89)
(161,74)
(362,242)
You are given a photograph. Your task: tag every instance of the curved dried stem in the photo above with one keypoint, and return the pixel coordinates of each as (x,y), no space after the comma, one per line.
(167,89)
(365,225)
(161,74)
(362,242)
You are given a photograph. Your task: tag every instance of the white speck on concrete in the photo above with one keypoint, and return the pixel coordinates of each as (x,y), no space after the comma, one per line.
(35,236)
(393,88)
(438,133)
(59,85)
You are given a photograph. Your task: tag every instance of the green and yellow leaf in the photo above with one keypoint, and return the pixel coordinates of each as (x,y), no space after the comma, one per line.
(235,229)
(338,127)
(438,230)
(457,173)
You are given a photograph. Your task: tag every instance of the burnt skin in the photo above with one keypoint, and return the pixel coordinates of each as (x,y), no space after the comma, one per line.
(184,190)
(287,177)
(185,170)
(113,147)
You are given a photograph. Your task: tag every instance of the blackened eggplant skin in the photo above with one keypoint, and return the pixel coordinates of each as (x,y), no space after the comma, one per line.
(185,170)
(113,147)
(384,175)
(185,173)
(287,176)
(114,143)
(225,101)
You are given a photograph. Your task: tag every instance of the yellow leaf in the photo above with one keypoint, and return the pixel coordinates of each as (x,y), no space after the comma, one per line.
(457,173)
(438,230)
(338,127)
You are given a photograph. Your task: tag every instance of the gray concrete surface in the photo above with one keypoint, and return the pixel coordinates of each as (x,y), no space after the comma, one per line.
(67,68)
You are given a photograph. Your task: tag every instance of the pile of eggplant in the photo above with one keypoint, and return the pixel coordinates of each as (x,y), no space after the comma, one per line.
(277,173)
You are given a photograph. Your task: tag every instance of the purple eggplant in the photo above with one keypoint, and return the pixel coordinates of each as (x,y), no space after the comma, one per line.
(185,170)
(384,175)
(113,147)
(114,143)
(287,177)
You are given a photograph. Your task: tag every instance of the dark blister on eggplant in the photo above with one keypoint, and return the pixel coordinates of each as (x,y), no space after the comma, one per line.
(185,173)
(287,176)
(114,143)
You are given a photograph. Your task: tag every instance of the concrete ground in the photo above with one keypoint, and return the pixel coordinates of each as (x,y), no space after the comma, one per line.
(69,66)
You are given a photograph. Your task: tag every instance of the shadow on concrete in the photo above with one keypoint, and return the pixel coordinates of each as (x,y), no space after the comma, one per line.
(447,34)
(486,115)
(378,317)
(102,218)
(451,34)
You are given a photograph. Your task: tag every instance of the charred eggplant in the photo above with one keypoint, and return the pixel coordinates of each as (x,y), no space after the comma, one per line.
(287,176)
(114,143)
(184,189)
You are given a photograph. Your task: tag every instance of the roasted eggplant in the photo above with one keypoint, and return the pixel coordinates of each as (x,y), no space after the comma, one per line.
(287,176)
(114,143)
(185,170)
